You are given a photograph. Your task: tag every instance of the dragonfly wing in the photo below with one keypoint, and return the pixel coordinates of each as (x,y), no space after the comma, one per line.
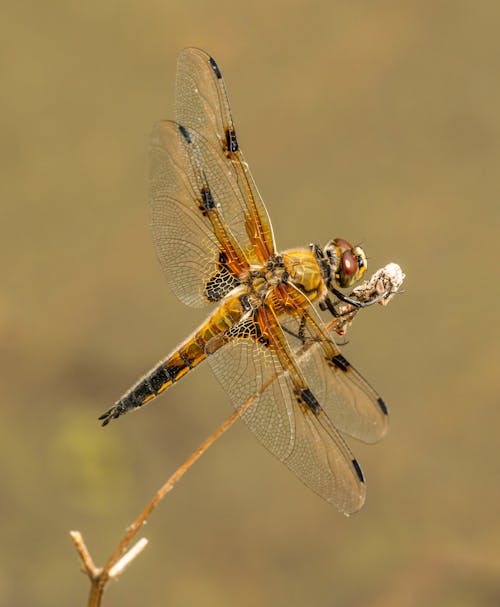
(351,403)
(258,379)
(193,200)
(201,103)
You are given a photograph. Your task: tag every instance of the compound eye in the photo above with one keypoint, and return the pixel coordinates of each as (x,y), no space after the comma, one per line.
(349,264)
(343,244)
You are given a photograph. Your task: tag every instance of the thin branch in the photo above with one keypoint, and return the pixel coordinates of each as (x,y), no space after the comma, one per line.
(88,564)
(94,573)
(128,557)
(169,485)
(120,558)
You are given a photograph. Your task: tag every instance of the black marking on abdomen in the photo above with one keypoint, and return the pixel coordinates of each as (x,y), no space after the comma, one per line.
(148,387)
(342,363)
(231,141)
(186,360)
(359,472)
(215,67)
(207,200)
(158,378)
(307,397)
(162,375)
(174,370)
(140,393)
(185,134)
(133,400)
(383,406)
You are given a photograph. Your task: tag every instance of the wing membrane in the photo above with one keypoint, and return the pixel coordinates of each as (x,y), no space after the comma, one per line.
(304,440)
(193,204)
(201,103)
(351,403)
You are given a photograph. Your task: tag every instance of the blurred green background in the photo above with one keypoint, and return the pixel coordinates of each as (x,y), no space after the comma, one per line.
(375,121)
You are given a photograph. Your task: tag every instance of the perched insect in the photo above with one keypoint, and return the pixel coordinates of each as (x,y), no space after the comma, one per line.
(264,338)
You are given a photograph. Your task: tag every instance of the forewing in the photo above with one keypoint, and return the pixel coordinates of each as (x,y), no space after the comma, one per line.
(258,382)
(350,402)
(201,103)
(193,200)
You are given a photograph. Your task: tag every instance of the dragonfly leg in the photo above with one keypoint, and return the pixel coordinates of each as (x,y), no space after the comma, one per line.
(355,302)
(327,304)
(301,330)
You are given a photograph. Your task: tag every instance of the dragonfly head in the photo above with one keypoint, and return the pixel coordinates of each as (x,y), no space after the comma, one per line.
(347,263)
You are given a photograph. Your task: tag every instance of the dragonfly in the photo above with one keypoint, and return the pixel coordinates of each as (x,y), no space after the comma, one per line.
(264,338)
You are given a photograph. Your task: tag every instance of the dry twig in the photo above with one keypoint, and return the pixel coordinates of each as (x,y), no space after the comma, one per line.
(123,556)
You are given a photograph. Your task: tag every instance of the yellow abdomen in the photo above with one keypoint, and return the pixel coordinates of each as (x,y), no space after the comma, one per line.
(187,356)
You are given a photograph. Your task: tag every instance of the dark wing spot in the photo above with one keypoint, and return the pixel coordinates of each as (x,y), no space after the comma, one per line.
(215,67)
(184,133)
(383,406)
(307,397)
(219,284)
(207,199)
(359,472)
(221,281)
(231,141)
(247,329)
(341,362)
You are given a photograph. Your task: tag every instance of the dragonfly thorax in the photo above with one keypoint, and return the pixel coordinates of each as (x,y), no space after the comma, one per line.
(345,264)
(260,280)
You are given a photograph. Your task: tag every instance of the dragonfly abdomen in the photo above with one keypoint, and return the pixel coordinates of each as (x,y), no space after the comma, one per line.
(190,354)
(152,384)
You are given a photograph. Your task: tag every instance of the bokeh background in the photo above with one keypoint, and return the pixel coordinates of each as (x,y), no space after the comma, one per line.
(376,121)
